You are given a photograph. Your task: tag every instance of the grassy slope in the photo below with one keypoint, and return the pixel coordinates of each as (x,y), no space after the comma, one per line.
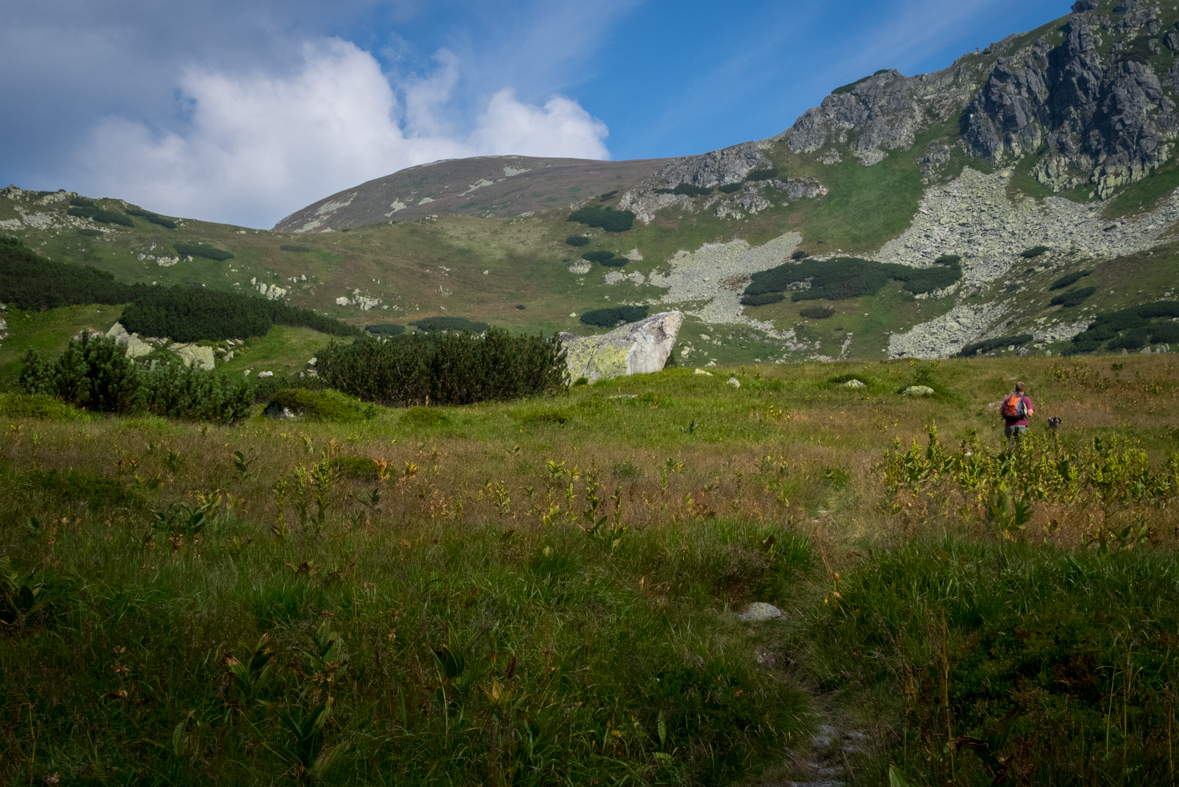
(595,640)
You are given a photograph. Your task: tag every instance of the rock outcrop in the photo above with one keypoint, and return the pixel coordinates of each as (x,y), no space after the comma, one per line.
(639,347)
(1100,118)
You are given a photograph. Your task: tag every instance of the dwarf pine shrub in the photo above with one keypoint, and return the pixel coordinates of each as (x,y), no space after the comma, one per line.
(451,368)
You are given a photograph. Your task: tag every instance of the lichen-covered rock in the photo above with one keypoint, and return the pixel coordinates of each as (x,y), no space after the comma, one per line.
(136,347)
(636,348)
(760,612)
(192,355)
(919,390)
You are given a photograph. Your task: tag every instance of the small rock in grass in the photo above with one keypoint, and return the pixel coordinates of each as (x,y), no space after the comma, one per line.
(704,373)
(918,390)
(854,384)
(261,375)
(759,612)
(733,381)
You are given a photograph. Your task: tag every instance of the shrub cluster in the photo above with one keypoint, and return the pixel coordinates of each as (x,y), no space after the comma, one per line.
(849,277)
(763,299)
(452,324)
(94,373)
(1130,329)
(608,195)
(607,258)
(102,216)
(604,218)
(82,202)
(762,174)
(189,315)
(453,369)
(1033,252)
(323,405)
(987,345)
(1073,297)
(577,240)
(201,250)
(686,190)
(948,259)
(729,188)
(385,329)
(1065,281)
(154,218)
(799,255)
(294,248)
(610,318)
(817,312)
(33,283)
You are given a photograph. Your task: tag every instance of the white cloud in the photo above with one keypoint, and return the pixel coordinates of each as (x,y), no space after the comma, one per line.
(258,147)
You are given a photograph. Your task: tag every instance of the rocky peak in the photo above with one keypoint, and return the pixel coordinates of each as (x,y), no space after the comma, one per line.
(1101,119)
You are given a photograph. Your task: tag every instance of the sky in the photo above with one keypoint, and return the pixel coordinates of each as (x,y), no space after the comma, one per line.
(244,111)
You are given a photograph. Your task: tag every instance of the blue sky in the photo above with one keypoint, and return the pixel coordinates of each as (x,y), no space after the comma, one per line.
(243,112)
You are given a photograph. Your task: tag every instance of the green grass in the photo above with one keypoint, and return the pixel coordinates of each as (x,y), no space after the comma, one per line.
(48,333)
(543,591)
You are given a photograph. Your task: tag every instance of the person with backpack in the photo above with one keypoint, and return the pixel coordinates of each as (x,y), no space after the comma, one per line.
(1016,409)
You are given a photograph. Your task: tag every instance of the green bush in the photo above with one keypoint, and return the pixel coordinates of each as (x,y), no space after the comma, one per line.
(729,188)
(82,202)
(849,277)
(598,256)
(577,240)
(425,417)
(610,318)
(154,218)
(604,218)
(324,405)
(1164,333)
(817,312)
(296,249)
(71,486)
(1134,339)
(385,329)
(764,299)
(356,468)
(455,368)
(1073,297)
(799,255)
(200,250)
(1065,281)
(41,406)
(686,190)
(987,345)
(948,259)
(607,195)
(94,373)
(101,216)
(1106,327)
(453,324)
(1033,252)
(758,175)
(86,232)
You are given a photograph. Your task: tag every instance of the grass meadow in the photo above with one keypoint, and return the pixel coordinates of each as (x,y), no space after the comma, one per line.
(545,592)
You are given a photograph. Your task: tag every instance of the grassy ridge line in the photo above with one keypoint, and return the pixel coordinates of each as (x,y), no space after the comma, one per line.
(527,575)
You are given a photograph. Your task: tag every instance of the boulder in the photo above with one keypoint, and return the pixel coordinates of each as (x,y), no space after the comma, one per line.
(854,384)
(918,390)
(760,612)
(639,347)
(136,347)
(733,381)
(193,355)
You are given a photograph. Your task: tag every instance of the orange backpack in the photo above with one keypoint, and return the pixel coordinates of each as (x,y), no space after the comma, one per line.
(1014,407)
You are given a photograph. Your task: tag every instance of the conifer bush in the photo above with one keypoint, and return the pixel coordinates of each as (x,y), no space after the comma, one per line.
(610,318)
(200,250)
(1065,281)
(987,345)
(385,329)
(729,188)
(577,240)
(604,218)
(1073,297)
(758,175)
(452,324)
(94,373)
(763,299)
(452,369)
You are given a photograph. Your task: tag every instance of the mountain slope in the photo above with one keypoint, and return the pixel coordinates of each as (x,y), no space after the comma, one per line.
(1045,157)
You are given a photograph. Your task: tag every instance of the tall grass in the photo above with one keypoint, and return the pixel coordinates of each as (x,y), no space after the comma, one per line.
(542,592)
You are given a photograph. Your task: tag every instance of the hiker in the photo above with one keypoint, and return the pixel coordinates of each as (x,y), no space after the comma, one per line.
(1016,409)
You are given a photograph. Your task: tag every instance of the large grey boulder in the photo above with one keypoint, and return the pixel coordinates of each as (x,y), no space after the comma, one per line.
(636,348)
(136,347)
(192,355)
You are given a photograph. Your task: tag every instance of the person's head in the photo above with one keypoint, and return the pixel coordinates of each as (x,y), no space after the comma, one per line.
(1021,388)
